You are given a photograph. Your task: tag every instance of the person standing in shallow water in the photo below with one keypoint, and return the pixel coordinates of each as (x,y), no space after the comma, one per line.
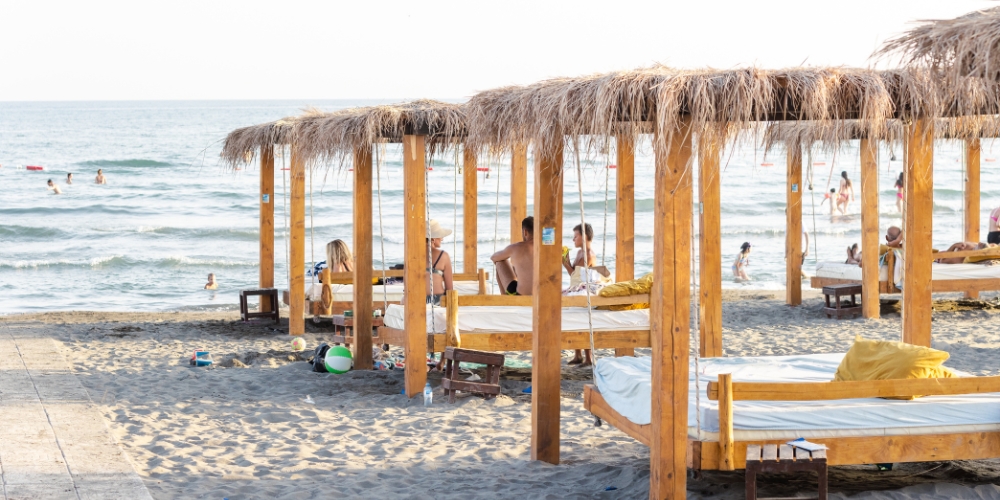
(741,263)
(845,194)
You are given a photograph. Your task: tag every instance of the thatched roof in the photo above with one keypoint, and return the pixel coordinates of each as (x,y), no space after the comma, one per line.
(659,98)
(832,135)
(325,138)
(967,46)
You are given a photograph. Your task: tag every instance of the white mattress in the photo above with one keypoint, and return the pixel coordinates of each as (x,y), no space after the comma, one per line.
(625,383)
(393,293)
(839,270)
(518,319)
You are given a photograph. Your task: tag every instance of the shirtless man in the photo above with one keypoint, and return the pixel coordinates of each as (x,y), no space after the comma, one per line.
(516,263)
(100,178)
(994,234)
(55,189)
(894,237)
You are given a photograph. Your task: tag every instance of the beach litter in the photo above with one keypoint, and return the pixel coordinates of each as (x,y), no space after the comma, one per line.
(201,358)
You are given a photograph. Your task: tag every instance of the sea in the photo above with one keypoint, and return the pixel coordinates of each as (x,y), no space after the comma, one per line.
(171,212)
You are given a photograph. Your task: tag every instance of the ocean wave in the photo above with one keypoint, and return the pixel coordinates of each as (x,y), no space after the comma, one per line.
(118,261)
(23,233)
(135,162)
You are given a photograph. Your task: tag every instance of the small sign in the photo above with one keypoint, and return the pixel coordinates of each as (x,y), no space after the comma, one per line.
(701,207)
(795,188)
(548,236)
(265,198)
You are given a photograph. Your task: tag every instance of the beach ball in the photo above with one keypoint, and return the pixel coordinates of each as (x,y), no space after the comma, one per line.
(338,359)
(298,344)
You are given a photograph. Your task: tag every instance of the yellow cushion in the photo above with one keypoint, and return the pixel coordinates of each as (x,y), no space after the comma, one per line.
(884,360)
(625,289)
(980,258)
(882,249)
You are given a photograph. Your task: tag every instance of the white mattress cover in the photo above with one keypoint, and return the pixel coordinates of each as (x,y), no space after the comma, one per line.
(394,293)
(518,319)
(625,383)
(839,270)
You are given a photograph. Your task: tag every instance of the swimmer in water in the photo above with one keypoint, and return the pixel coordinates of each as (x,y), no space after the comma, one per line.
(55,189)
(100,178)
(211,285)
(69,178)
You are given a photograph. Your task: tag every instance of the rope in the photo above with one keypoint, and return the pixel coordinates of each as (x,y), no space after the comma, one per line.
(430,248)
(697,319)
(586,255)
(812,197)
(312,231)
(284,215)
(379,153)
(607,187)
(496,219)
(454,224)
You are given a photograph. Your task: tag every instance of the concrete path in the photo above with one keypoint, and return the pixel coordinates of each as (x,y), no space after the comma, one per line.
(54,443)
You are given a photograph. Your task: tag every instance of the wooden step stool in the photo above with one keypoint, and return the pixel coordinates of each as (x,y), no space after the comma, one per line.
(838,308)
(772,458)
(490,386)
(270,294)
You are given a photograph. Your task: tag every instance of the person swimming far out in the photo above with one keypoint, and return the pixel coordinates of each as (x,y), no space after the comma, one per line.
(212,284)
(100,179)
(741,263)
(515,264)
(69,178)
(582,357)
(52,187)
(440,268)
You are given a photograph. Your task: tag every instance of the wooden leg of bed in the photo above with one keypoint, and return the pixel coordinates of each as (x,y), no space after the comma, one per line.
(624,351)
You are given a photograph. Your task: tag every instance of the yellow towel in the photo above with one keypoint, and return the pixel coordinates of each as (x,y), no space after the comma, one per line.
(625,289)
(885,360)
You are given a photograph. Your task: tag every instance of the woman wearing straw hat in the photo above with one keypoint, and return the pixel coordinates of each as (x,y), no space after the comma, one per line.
(440,269)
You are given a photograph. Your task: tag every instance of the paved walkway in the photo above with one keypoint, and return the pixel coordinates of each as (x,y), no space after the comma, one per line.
(54,443)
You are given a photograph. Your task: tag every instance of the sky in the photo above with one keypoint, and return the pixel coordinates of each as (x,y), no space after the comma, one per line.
(352,49)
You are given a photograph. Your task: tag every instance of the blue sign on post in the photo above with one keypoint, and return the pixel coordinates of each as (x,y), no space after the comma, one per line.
(548,236)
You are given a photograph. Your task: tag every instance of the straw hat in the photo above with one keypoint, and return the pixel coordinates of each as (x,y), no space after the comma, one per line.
(434,229)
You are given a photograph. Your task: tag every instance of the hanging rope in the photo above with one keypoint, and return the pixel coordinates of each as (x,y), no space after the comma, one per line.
(496,213)
(607,187)
(697,317)
(430,248)
(379,153)
(454,224)
(812,197)
(284,215)
(586,255)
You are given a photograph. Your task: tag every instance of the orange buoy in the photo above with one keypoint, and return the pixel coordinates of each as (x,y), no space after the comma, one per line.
(34,167)
(482,169)
(819,163)
(987,159)
(767,164)
(612,166)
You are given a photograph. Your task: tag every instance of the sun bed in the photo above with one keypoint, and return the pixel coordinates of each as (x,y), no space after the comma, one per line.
(775,399)
(944,277)
(504,323)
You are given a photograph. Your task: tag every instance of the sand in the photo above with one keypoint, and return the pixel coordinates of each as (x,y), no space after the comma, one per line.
(241,428)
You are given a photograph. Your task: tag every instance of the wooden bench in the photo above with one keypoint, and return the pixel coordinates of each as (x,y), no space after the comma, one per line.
(270,294)
(343,327)
(839,308)
(774,458)
(490,386)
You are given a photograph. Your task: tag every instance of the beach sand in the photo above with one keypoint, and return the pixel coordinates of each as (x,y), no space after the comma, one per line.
(240,429)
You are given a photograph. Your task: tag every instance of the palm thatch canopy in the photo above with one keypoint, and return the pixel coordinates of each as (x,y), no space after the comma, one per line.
(659,98)
(832,135)
(325,138)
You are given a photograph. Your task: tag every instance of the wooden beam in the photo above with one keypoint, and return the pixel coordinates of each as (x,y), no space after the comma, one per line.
(297,246)
(266,222)
(518,191)
(709,248)
(625,216)
(363,258)
(727,457)
(546,353)
(670,312)
(793,228)
(415,268)
(470,212)
(829,391)
(918,211)
(869,229)
(972,196)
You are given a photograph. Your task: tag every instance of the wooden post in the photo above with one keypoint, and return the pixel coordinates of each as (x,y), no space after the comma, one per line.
(452,336)
(266,222)
(972,195)
(518,191)
(363,258)
(415,268)
(625,217)
(709,248)
(546,353)
(670,303)
(917,232)
(297,244)
(869,229)
(793,231)
(470,213)
(727,448)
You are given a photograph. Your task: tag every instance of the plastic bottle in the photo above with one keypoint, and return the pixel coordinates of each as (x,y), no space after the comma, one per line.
(428,394)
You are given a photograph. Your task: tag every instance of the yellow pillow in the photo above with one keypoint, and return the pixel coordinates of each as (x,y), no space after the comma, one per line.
(980,258)
(625,289)
(884,360)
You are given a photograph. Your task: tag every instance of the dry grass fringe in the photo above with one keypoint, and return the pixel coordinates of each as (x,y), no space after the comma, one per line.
(832,136)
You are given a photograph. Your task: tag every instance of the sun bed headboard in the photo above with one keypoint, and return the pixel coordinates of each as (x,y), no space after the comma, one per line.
(725,391)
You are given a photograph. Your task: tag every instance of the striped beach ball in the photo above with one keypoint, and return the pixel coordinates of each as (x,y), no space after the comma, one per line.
(338,359)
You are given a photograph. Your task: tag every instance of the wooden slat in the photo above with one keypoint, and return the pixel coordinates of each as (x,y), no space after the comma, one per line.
(470,213)
(595,403)
(726,450)
(869,229)
(917,225)
(985,252)
(801,454)
(415,268)
(793,228)
(710,248)
(483,277)
(363,258)
(266,222)
(546,316)
(297,245)
(819,454)
(523,341)
(785,452)
(518,191)
(753,452)
(821,391)
(523,300)
(625,216)
(670,311)
(769,453)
